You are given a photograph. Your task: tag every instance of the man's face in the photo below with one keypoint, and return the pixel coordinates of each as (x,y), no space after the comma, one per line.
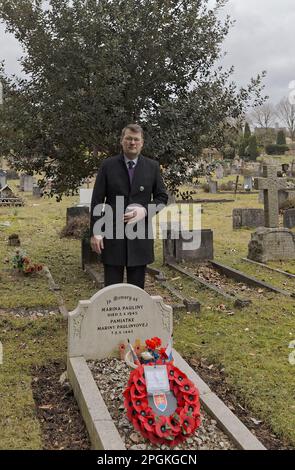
(132,143)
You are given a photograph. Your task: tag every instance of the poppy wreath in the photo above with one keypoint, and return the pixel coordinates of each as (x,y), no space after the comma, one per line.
(169,430)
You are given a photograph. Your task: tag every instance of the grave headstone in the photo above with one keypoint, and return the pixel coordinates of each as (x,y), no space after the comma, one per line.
(113,315)
(248,218)
(3,178)
(76,211)
(212,186)
(26,183)
(248,183)
(85,197)
(185,245)
(219,171)
(289,218)
(271,242)
(37,191)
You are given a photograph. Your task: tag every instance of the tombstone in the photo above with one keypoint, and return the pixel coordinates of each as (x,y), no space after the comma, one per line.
(37,191)
(289,218)
(185,245)
(271,242)
(212,187)
(26,183)
(113,315)
(3,178)
(76,211)
(219,171)
(285,196)
(248,183)
(248,218)
(87,255)
(261,197)
(292,171)
(85,197)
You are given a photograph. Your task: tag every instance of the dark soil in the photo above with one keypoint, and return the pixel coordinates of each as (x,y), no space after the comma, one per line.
(215,378)
(62,426)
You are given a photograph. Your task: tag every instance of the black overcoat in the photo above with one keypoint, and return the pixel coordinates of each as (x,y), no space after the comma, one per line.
(147,188)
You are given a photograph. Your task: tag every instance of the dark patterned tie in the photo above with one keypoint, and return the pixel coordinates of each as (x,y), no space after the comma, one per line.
(131,168)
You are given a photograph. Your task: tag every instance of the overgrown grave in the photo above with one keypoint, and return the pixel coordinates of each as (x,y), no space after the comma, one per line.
(97,330)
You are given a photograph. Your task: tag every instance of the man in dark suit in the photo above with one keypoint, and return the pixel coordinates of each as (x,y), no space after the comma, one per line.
(130,188)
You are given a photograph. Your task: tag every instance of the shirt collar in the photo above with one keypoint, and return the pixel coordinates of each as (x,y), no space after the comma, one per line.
(128,160)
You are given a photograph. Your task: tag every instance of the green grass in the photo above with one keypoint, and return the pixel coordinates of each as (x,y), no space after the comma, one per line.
(251,345)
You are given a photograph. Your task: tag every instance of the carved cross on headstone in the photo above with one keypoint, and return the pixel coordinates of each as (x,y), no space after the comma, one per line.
(270,183)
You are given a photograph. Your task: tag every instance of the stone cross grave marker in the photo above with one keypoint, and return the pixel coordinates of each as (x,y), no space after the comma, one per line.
(271,184)
(85,197)
(112,316)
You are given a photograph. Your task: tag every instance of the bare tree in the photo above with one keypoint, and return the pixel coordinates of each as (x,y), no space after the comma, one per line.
(286,113)
(263,116)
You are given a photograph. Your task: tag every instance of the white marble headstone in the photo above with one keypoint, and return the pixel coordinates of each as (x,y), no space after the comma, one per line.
(85,197)
(114,315)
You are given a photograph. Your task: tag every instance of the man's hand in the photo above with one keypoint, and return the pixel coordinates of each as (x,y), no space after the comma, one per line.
(96,243)
(137,213)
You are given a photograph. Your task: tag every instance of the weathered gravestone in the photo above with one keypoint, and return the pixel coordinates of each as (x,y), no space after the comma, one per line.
(213,187)
(219,171)
(85,197)
(26,183)
(113,315)
(248,218)
(271,242)
(76,212)
(289,218)
(37,191)
(248,183)
(187,245)
(3,178)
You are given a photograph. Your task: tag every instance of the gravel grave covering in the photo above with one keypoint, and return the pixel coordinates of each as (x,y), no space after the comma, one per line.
(111,377)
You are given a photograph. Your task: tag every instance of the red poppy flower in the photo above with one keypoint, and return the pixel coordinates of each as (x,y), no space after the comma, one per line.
(188,387)
(191,398)
(150,344)
(188,425)
(131,414)
(136,394)
(179,376)
(136,424)
(192,409)
(162,428)
(149,423)
(140,404)
(174,424)
(157,341)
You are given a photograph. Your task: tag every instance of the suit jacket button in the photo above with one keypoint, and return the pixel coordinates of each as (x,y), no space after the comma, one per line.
(141,188)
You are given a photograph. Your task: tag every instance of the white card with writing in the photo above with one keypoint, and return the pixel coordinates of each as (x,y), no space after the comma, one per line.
(156,378)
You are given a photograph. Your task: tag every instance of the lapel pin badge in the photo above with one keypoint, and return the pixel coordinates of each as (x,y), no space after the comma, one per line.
(141,188)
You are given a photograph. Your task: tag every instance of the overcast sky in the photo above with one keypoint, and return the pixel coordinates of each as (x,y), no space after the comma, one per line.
(262,38)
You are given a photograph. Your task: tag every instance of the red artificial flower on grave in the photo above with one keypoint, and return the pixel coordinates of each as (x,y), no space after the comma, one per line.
(188,424)
(163,354)
(157,341)
(162,428)
(135,393)
(169,430)
(150,343)
(188,387)
(192,409)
